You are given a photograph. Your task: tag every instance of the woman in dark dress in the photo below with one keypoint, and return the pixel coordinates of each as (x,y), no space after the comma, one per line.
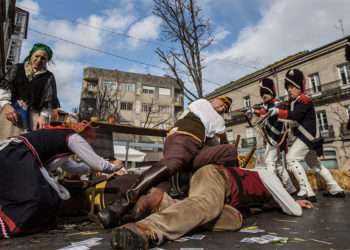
(27,94)
(29,197)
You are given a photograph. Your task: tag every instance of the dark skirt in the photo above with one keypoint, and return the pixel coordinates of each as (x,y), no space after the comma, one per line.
(28,204)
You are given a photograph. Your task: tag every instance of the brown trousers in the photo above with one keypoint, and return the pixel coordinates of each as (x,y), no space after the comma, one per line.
(205,206)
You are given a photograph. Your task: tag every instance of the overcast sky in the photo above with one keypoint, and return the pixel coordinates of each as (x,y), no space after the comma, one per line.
(249,34)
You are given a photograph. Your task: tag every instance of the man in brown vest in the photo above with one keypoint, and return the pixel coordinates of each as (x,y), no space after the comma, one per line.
(217,193)
(202,120)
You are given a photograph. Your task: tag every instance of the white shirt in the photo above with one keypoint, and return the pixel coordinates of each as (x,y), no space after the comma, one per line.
(212,120)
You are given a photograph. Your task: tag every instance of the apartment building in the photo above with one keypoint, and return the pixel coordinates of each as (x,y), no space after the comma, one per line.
(141,100)
(327,72)
(13,29)
(133,99)
(7,24)
(19,34)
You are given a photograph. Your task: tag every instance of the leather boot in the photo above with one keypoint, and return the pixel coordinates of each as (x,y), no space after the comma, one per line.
(147,204)
(150,178)
(132,236)
(111,216)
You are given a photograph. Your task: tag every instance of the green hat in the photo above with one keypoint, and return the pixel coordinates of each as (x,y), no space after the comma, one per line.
(40,46)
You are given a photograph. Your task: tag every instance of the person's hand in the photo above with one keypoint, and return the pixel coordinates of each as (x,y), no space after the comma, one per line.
(40,122)
(118,163)
(10,113)
(273,111)
(121,171)
(305,204)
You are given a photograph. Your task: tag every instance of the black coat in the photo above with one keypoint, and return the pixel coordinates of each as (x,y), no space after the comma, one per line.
(39,93)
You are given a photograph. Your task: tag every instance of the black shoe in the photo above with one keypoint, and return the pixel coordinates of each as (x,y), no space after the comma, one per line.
(312,199)
(107,218)
(340,194)
(305,197)
(129,237)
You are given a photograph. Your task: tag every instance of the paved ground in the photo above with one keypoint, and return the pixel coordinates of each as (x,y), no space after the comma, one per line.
(327,226)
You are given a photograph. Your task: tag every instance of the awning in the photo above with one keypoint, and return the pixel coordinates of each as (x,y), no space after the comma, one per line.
(133,154)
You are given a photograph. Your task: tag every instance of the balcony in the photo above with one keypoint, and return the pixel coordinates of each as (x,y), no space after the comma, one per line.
(89,95)
(91,76)
(329,92)
(179,100)
(248,142)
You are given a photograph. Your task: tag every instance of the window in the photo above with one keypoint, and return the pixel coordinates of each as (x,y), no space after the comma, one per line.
(13,54)
(146,107)
(164,109)
(164,91)
(111,85)
(148,90)
(246,101)
(330,158)
(126,105)
(91,88)
(322,120)
(344,73)
(127,87)
(315,83)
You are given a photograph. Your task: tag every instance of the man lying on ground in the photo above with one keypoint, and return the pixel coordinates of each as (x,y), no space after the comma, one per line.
(216,193)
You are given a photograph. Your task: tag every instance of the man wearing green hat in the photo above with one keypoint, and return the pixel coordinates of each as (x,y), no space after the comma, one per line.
(28,93)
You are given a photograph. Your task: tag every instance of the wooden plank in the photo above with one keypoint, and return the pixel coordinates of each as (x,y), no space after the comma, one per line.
(130,129)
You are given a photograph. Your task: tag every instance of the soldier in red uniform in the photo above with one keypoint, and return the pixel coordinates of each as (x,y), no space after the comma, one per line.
(275,134)
(302,117)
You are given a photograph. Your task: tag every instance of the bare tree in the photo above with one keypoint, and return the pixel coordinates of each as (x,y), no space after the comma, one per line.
(148,119)
(184,26)
(152,116)
(108,100)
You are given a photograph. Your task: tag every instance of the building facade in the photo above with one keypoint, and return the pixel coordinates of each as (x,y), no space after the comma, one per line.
(135,99)
(13,29)
(327,72)
(7,24)
(19,34)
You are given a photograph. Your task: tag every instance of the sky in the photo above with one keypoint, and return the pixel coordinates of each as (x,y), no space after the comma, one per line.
(123,35)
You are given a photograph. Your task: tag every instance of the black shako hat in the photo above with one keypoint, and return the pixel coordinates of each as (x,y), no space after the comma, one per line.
(267,87)
(294,77)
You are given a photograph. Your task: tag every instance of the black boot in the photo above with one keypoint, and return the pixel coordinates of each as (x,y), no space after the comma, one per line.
(111,216)
(340,194)
(305,197)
